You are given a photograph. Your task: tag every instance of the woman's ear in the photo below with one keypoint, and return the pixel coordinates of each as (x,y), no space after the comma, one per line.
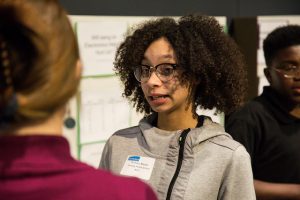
(268,75)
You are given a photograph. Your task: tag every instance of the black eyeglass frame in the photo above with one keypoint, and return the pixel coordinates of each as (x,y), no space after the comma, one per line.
(138,75)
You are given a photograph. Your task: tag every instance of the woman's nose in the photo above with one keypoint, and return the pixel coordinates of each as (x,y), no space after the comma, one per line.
(154,79)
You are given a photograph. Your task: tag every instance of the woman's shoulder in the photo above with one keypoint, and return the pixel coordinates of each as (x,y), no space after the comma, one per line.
(226,142)
(214,135)
(223,148)
(110,186)
(124,134)
(127,131)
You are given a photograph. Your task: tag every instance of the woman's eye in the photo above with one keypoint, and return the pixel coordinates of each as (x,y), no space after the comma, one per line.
(167,71)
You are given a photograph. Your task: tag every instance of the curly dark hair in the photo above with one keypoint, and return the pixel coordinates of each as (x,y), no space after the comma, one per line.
(280,38)
(205,53)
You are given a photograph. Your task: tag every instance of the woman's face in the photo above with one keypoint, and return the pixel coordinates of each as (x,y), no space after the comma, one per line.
(163,96)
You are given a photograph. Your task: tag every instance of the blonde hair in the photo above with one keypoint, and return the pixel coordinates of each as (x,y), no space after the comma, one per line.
(42,53)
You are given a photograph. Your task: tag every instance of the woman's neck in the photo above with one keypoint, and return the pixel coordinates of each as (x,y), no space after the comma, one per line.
(177,121)
(52,126)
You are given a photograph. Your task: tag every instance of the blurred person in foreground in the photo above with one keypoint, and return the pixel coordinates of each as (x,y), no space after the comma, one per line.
(39,73)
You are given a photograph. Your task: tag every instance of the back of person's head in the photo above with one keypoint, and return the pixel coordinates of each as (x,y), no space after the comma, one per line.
(38,57)
(279,39)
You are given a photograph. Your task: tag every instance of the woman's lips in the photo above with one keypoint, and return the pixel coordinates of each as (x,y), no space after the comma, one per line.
(158,99)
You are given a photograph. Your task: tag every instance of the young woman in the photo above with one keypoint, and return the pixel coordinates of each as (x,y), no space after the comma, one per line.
(39,73)
(170,68)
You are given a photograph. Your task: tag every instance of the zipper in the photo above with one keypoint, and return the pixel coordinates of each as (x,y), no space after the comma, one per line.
(181,142)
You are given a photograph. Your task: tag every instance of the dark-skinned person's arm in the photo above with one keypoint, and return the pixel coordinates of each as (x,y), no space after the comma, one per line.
(276,191)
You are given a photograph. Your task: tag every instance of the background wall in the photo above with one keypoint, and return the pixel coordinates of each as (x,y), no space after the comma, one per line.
(95,10)
(228,8)
(231,9)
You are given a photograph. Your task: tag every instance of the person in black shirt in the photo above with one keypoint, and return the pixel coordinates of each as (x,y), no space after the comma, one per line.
(269,125)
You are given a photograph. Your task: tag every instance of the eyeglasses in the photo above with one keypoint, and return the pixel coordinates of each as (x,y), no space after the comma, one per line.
(288,70)
(164,71)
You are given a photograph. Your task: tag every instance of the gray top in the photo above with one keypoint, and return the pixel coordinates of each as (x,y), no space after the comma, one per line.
(214,166)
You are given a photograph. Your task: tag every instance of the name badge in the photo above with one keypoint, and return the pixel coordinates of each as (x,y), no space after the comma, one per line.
(138,166)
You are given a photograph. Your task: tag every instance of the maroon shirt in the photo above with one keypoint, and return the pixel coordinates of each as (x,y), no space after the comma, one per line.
(41,167)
